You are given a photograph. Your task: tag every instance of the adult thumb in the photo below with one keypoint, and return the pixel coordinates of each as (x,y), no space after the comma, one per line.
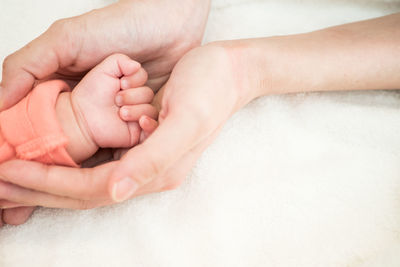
(35,61)
(175,136)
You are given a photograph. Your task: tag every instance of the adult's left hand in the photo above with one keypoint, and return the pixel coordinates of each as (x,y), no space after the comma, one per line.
(205,88)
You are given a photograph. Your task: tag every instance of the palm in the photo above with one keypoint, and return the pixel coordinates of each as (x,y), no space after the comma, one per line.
(80,43)
(201,94)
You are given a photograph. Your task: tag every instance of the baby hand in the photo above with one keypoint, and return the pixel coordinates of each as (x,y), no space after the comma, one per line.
(135,107)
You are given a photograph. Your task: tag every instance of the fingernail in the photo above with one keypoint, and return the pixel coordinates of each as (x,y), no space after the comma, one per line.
(124,113)
(118,100)
(124,189)
(124,84)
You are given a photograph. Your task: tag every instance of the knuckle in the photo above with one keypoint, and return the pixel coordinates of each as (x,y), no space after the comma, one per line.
(47,174)
(59,25)
(85,188)
(63,30)
(7,61)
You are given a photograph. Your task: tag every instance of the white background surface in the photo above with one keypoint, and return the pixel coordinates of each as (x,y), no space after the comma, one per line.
(298,180)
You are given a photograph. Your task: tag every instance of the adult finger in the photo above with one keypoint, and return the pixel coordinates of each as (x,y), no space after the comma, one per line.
(178,133)
(81,184)
(36,61)
(17,216)
(5,204)
(30,197)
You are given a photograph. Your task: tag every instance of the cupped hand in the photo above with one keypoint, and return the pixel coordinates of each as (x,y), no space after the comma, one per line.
(71,47)
(205,88)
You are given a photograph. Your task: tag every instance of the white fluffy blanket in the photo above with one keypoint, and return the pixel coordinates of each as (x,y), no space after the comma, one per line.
(299,180)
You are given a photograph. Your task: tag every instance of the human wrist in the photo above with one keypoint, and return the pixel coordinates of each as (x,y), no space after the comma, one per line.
(247,61)
(264,65)
(330,59)
(80,145)
(276,65)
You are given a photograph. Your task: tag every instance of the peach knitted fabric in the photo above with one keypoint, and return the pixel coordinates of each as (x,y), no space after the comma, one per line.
(30,130)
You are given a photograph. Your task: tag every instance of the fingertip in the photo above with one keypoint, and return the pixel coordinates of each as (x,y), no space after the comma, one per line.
(129,66)
(134,66)
(148,124)
(119,100)
(4,204)
(123,189)
(17,216)
(124,113)
(135,79)
(144,121)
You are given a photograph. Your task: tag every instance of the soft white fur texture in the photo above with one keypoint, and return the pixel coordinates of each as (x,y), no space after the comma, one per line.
(300,180)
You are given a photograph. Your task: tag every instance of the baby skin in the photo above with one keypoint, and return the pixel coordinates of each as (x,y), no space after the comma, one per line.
(109,108)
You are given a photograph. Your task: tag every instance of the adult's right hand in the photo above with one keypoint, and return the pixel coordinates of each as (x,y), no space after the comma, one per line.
(156,33)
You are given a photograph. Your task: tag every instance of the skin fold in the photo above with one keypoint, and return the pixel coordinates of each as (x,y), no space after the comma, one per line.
(205,88)
(69,48)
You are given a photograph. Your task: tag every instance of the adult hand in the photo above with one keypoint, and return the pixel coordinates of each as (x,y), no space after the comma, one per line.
(205,88)
(70,47)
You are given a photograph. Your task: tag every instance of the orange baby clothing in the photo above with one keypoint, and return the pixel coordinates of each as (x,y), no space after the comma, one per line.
(30,129)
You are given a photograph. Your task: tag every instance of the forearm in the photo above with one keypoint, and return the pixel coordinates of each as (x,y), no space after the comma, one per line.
(80,145)
(358,56)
